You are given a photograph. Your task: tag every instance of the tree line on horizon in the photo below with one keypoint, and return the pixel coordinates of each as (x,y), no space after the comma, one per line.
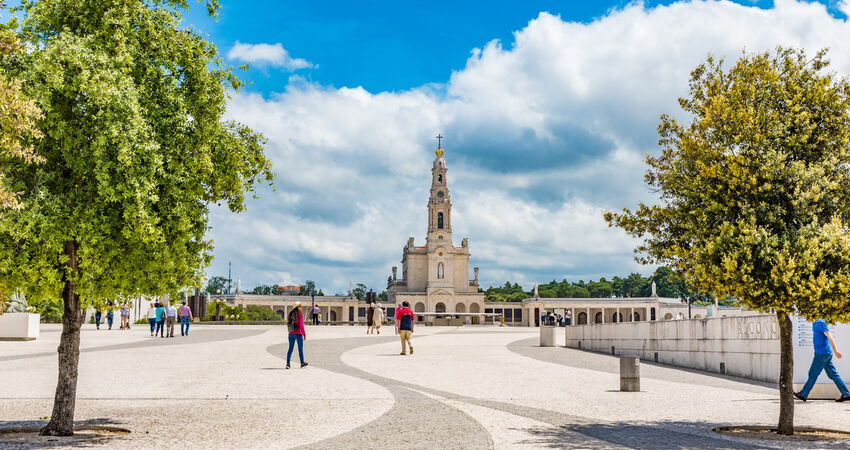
(667,284)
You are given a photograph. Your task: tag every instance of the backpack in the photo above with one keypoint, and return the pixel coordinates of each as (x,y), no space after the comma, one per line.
(292,323)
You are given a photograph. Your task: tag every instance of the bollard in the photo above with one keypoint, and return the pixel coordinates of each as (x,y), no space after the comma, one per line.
(547,335)
(629,374)
(723,368)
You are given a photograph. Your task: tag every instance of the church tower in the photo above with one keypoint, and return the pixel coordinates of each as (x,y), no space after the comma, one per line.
(439,203)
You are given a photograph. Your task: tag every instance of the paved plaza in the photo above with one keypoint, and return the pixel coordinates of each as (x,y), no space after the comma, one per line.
(466,387)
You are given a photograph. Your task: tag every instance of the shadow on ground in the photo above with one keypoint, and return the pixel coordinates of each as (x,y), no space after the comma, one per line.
(23,434)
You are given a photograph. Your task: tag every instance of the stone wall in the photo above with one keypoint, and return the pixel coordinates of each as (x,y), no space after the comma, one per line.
(741,346)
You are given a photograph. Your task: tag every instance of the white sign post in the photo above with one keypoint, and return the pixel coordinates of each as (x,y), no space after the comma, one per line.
(804,352)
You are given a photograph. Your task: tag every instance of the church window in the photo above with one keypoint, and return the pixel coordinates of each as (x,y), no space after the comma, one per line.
(440,220)
(440,179)
(440,271)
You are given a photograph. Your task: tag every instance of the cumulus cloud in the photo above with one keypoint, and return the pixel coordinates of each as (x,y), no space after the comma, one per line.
(541,137)
(267,54)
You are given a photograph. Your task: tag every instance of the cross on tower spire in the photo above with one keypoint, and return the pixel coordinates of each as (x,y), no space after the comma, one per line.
(439,151)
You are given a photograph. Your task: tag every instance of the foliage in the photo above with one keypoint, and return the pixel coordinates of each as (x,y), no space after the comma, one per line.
(668,284)
(308,288)
(216,285)
(18,116)
(755,192)
(257,312)
(360,291)
(265,290)
(133,151)
(383,296)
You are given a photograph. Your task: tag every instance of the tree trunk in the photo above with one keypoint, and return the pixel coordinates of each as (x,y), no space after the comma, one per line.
(786,375)
(62,420)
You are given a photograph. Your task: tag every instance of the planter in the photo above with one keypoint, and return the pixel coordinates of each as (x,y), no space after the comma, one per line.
(19,326)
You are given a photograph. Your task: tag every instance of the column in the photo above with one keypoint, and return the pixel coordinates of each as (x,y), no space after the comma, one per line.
(572,316)
(589,320)
(632,315)
(603,314)
(617,317)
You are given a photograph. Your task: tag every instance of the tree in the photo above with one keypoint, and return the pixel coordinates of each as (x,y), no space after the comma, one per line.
(134,149)
(755,192)
(216,285)
(18,117)
(360,291)
(309,288)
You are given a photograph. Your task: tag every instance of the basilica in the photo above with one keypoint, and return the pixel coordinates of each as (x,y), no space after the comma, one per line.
(435,276)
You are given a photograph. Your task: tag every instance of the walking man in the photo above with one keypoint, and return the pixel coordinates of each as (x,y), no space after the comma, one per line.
(185,317)
(110,315)
(824,345)
(160,320)
(404,320)
(170,318)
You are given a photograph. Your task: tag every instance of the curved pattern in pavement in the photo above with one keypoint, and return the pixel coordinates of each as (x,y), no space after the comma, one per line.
(423,417)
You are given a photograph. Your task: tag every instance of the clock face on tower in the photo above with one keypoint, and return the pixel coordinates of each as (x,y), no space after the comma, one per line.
(440,194)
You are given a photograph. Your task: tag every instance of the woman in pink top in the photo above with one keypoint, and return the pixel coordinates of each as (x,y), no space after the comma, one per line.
(297,333)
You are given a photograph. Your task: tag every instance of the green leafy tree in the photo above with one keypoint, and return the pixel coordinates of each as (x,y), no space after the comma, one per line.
(309,288)
(257,312)
(360,291)
(133,151)
(216,285)
(755,192)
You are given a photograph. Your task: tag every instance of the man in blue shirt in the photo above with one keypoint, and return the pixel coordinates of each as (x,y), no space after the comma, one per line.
(824,345)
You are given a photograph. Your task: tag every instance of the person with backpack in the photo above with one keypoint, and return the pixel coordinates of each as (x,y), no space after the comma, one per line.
(185,314)
(297,334)
(404,320)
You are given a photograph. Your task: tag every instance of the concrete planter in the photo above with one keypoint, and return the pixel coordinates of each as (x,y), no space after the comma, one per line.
(19,326)
(547,335)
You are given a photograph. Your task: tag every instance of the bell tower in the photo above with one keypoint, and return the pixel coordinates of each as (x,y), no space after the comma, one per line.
(439,203)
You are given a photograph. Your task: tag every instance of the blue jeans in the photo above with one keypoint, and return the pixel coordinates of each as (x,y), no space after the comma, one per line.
(153,324)
(184,324)
(820,363)
(293,338)
(160,328)
(97,320)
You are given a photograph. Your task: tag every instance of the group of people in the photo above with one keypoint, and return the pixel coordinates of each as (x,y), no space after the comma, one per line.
(110,316)
(405,320)
(162,319)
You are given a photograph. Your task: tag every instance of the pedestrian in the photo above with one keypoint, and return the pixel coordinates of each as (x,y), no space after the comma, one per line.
(160,320)
(404,320)
(370,318)
(170,318)
(319,318)
(825,346)
(315,314)
(185,314)
(378,318)
(125,317)
(152,318)
(97,317)
(110,315)
(297,334)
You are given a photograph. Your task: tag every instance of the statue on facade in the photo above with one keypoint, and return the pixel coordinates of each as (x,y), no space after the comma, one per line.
(17,303)
(654,294)
(536,293)
(395,271)
(475,270)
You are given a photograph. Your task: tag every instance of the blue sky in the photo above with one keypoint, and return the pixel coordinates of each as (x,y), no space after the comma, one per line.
(387,45)
(548,108)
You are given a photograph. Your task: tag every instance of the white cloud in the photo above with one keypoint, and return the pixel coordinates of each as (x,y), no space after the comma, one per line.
(540,138)
(267,54)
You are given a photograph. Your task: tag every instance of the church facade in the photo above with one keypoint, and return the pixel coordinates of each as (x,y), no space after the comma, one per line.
(435,277)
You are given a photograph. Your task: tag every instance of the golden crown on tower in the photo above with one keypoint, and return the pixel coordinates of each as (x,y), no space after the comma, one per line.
(439,151)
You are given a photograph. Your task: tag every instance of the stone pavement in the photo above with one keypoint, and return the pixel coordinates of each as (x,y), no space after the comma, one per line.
(469,387)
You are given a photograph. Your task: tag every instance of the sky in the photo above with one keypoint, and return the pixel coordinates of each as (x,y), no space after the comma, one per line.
(548,109)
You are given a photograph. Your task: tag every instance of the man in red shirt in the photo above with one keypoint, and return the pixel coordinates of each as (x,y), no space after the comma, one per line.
(404,320)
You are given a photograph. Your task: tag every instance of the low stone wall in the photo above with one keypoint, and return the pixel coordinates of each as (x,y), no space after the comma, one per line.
(741,346)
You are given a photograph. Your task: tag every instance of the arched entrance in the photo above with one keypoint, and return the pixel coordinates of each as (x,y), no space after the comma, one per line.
(461,308)
(598,318)
(420,307)
(636,317)
(440,308)
(333,316)
(281,313)
(474,308)
(668,316)
(617,317)
(582,319)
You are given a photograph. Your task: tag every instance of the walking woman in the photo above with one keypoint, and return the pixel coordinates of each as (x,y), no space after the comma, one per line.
(297,333)
(152,318)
